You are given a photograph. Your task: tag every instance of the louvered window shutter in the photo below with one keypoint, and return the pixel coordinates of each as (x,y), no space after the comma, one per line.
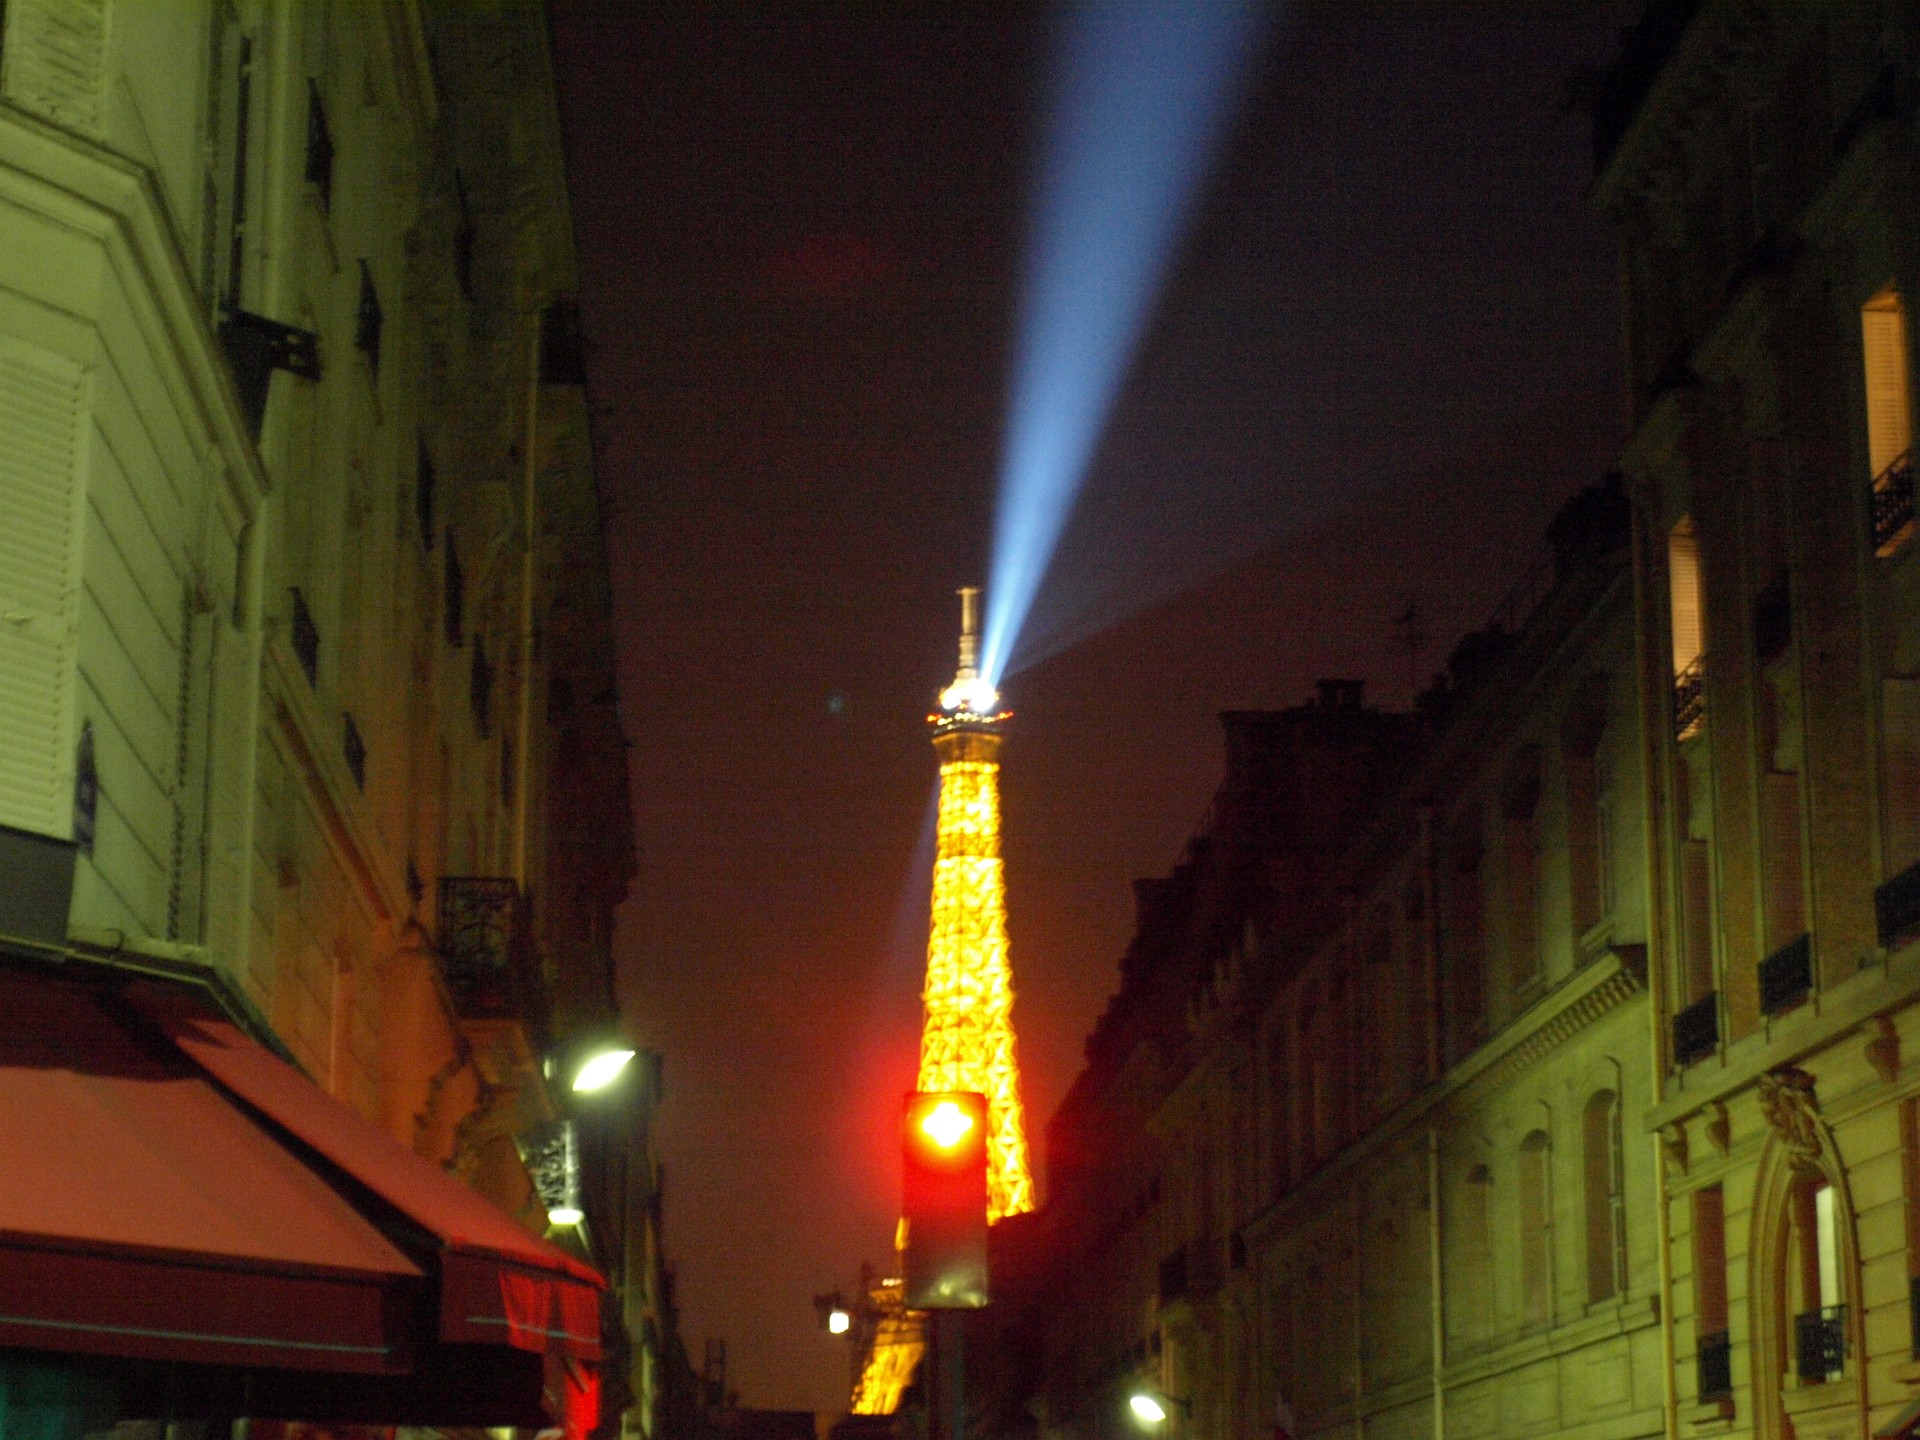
(41,497)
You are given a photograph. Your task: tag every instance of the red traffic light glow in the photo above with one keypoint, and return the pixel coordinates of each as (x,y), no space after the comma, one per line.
(946,1123)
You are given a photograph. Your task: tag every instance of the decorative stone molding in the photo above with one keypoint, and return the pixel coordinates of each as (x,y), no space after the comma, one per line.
(1788,1101)
(1673,1139)
(1720,1127)
(1883,1049)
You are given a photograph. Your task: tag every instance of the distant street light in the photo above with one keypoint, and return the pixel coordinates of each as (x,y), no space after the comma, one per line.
(839,1321)
(566,1215)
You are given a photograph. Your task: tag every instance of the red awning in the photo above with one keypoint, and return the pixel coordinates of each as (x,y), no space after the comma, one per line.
(142,1215)
(498,1284)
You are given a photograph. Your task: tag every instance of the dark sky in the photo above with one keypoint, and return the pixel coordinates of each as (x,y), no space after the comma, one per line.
(1389,351)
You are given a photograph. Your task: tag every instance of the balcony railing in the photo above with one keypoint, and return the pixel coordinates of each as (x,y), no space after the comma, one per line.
(1786,976)
(1696,1030)
(1713,1374)
(1896,906)
(1690,699)
(1893,506)
(1820,1344)
(479,917)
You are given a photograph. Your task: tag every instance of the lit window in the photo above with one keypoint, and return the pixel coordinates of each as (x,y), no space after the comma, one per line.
(1689,629)
(1883,343)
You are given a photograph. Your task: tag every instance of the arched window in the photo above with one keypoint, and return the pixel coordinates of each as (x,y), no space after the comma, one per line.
(1536,1231)
(1604,1194)
(1476,1226)
(1813,1282)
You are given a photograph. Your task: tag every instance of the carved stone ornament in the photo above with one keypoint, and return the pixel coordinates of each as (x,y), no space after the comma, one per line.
(1719,1127)
(1793,1110)
(1883,1048)
(1673,1138)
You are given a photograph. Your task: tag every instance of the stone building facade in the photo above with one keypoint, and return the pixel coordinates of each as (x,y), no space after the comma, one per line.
(1562,1082)
(303,596)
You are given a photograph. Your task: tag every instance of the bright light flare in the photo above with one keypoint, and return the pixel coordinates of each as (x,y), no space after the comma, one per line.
(838,1322)
(946,1124)
(566,1215)
(1143,90)
(970,692)
(600,1070)
(1147,1409)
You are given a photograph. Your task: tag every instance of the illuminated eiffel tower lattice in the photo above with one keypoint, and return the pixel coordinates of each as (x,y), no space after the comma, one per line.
(968,1040)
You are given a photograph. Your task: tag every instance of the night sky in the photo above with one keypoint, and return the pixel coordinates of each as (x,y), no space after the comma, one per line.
(1389,351)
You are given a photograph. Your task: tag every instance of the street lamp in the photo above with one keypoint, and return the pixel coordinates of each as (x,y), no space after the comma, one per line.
(1150,1407)
(600,1067)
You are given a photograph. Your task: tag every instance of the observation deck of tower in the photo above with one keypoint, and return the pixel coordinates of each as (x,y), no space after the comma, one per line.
(967,1042)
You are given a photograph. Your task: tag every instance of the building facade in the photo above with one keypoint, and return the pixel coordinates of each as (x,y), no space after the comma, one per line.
(304,593)
(1562,1083)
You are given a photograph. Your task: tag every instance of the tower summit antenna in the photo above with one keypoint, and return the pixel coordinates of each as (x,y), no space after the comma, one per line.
(969,697)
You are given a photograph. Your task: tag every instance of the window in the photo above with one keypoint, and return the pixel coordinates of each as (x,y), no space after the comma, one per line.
(480,689)
(319,146)
(1520,806)
(1536,1231)
(1689,630)
(423,495)
(453,616)
(305,637)
(1464,934)
(368,319)
(354,749)
(1883,346)
(1604,1194)
(1580,735)
(1475,1295)
(1696,892)
(1714,1375)
(225,181)
(1814,1280)
(1280,1101)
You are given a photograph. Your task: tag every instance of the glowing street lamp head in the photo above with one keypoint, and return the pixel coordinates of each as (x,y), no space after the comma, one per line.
(1147,1408)
(838,1321)
(601,1069)
(946,1124)
(565,1215)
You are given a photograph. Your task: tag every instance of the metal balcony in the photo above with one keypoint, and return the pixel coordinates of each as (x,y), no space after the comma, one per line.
(1713,1373)
(1893,506)
(1896,906)
(1820,1344)
(479,923)
(1786,976)
(1696,1030)
(1690,699)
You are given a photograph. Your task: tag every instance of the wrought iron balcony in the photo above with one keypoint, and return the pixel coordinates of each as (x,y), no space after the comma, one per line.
(1696,1030)
(1820,1344)
(1713,1374)
(1786,976)
(1690,699)
(1896,906)
(1893,506)
(480,941)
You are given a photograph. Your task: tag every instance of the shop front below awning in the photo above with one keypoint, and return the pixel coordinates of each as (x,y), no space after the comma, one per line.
(183,1206)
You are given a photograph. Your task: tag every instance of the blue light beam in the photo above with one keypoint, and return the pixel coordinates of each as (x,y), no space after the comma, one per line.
(1144,89)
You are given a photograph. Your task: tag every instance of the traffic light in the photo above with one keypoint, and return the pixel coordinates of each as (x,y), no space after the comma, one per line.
(945,1200)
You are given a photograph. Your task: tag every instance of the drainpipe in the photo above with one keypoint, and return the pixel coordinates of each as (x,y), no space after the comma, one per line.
(529,571)
(1434,1277)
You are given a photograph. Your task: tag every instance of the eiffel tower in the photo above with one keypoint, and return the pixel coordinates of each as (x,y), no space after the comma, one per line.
(967,1042)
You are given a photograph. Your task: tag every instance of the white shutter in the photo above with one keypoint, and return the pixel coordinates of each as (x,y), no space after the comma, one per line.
(41,501)
(1883,340)
(53,59)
